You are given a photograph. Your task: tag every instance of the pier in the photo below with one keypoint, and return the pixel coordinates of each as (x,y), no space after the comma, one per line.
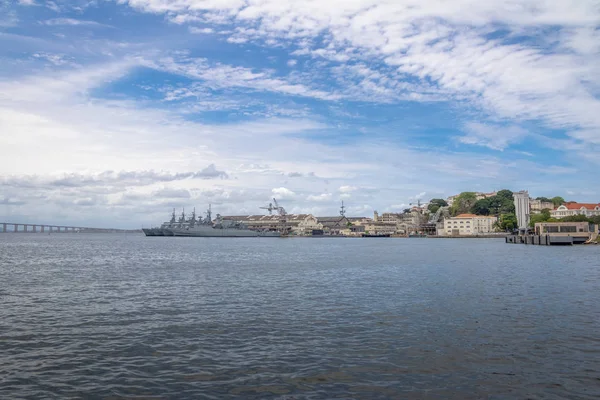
(20,227)
(557,234)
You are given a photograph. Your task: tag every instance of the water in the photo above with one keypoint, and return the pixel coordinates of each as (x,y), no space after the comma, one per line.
(128,317)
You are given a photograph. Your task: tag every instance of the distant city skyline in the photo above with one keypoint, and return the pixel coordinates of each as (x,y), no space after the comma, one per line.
(113,113)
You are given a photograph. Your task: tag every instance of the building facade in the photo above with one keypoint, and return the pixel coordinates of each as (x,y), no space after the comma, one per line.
(536,206)
(296,224)
(468,225)
(522,211)
(572,208)
(380,228)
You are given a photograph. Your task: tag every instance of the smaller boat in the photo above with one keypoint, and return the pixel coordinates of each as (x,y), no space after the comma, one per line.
(417,235)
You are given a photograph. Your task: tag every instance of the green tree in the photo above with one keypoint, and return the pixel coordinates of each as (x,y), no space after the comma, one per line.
(557,201)
(439,202)
(544,216)
(505,194)
(508,222)
(576,218)
(463,203)
(500,204)
(544,199)
(435,204)
(481,207)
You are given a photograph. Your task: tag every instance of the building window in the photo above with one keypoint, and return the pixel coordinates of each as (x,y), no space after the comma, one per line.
(568,229)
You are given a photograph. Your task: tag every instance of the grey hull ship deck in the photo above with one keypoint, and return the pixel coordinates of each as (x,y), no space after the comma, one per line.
(210,231)
(206,227)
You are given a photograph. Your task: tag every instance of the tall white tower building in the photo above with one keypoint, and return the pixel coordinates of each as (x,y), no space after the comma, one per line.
(522,208)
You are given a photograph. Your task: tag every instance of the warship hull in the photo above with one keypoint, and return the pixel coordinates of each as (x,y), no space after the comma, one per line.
(153,232)
(209,231)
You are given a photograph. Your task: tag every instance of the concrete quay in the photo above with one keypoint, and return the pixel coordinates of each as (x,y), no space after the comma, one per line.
(547,240)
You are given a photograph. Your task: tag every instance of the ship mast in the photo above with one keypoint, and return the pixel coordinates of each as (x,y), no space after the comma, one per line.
(209,214)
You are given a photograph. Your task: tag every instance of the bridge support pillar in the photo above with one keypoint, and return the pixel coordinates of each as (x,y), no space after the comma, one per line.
(34,228)
(16,228)
(25,228)
(4,228)
(42,228)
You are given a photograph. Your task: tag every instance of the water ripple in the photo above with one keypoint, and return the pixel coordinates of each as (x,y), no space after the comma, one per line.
(129,317)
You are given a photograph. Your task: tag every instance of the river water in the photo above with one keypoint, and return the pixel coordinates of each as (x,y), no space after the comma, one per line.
(115,316)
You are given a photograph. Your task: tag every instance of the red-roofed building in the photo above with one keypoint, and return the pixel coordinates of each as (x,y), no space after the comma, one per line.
(572,208)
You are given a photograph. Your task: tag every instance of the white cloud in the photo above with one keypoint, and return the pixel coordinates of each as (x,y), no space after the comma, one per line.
(292,63)
(52,123)
(495,137)
(445,49)
(56,59)
(347,189)
(282,193)
(27,2)
(53,6)
(219,76)
(205,31)
(73,22)
(319,197)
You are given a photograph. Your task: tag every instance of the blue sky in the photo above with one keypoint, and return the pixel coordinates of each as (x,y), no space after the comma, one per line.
(113,112)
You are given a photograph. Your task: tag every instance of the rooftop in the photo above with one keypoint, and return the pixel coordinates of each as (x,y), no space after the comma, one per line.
(573,205)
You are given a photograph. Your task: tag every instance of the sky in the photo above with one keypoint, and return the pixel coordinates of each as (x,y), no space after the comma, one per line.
(113,113)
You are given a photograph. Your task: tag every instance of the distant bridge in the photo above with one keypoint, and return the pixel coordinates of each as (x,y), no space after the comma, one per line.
(19,227)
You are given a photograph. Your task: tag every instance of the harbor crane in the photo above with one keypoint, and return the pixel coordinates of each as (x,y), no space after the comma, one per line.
(274,206)
(418,203)
(269,208)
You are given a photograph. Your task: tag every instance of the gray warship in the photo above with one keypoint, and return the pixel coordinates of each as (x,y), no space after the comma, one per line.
(206,227)
(164,229)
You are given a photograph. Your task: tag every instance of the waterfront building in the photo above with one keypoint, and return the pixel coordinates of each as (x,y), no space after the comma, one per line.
(572,208)
(380,228)
(536,206)
(522,211)
(297,224)
(386,217)
(564,232)
(468,225)
(334,225)
(308,226)
(565,228)
(353,230)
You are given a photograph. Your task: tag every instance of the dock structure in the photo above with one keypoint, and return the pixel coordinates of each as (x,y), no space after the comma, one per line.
(20,227)
(557,234)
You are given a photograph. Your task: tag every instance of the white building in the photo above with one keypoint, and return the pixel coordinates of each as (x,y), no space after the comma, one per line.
(468,225)
(522,208)
(572,208)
